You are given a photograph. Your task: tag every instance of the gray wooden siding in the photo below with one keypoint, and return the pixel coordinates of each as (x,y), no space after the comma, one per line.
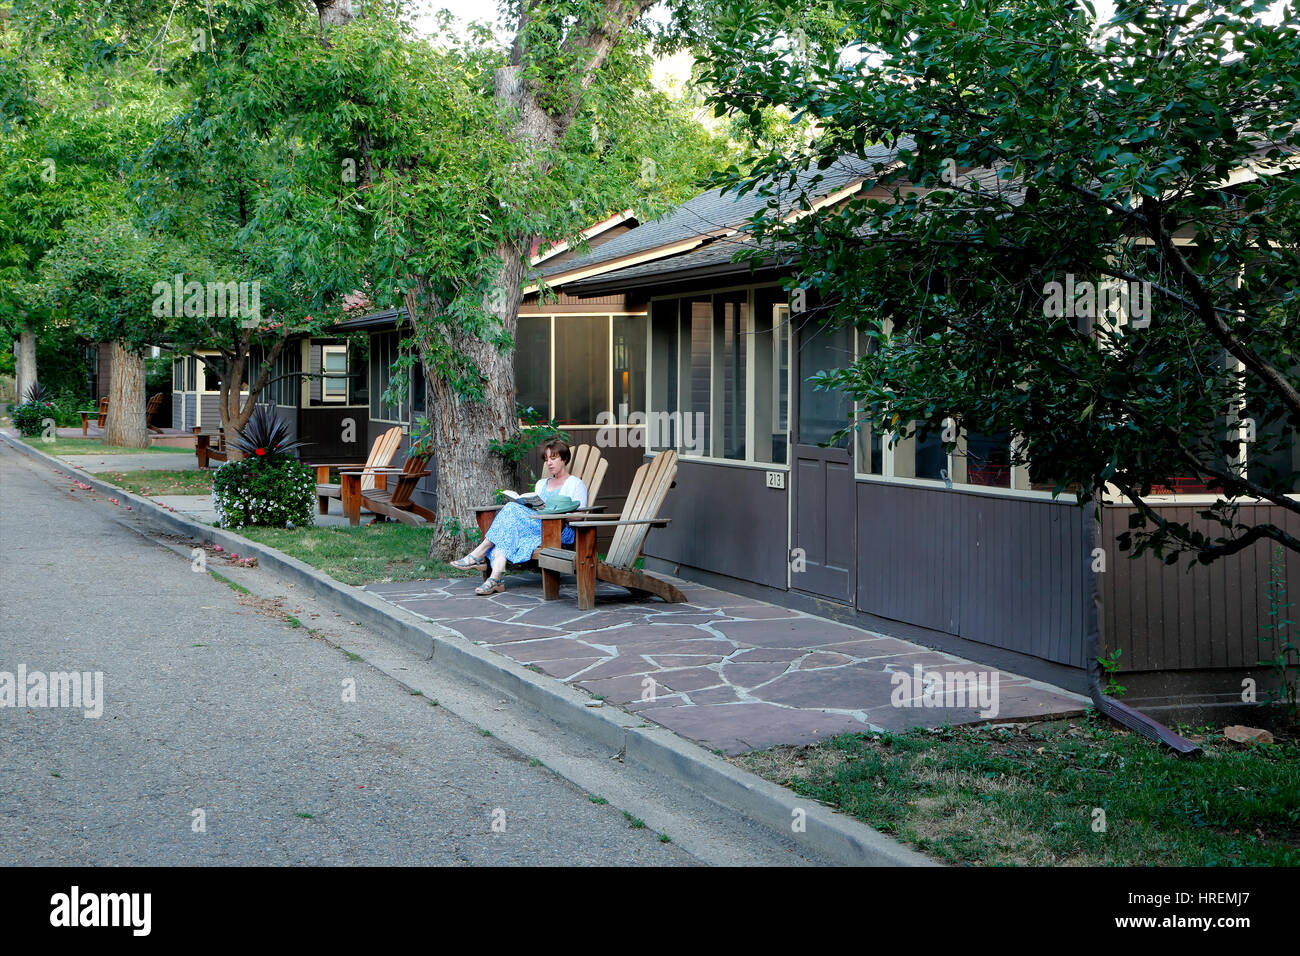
(211,411)
(178,412)
(290,418)
(191,419)
(1172,617)
(1006,572)
(566,302)
(725,520)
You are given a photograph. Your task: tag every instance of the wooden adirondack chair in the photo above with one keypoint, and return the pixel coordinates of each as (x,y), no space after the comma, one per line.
(640,514)
(103,413)
(587,463)
(381,456)
(150,410)
(396,502)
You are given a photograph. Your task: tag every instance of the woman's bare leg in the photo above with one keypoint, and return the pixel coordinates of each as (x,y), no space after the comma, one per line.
(498,564)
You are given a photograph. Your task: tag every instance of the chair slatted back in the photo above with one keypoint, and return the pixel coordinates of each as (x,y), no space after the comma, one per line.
(590,466)
(381,454)
(103,412)
(649,488)
(151,409)
(411,474)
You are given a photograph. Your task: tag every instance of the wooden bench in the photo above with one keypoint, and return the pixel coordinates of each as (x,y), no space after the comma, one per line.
(392,503)
(381,456)
(205,450)
(640,514)
(100,413)
(150,410)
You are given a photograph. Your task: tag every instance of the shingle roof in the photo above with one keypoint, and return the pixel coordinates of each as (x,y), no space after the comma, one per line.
(712,259)
(717,256)
(715,211)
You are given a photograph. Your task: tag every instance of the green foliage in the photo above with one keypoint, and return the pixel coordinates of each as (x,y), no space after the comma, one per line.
(456,531)
(265,436)
(41,403)
(1099,143)
(1281,644)
(67,408)
(1110,665)
(422,443)
(532,433)
(29,416)
(274,490)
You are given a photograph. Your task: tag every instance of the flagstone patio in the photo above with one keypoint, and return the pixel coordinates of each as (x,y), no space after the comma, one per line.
(729,672)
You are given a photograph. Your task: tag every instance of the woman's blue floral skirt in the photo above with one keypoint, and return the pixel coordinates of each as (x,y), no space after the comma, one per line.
(518,533)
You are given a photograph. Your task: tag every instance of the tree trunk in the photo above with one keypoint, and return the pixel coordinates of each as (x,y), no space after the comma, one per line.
(125,425)
(467,471)
(25,362)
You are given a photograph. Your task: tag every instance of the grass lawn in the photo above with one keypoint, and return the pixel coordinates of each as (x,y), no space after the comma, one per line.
(1031,795)
(151,483)
(93,446)
(366,554)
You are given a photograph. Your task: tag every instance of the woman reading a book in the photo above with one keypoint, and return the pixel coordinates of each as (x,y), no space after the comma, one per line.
(516,531)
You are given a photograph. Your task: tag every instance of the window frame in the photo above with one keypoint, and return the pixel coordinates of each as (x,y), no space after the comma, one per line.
(715,297)
(326,382)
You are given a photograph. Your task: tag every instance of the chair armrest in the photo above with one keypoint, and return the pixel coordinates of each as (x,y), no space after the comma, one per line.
(653,522)
(372,471)
(564,516)
(486,508)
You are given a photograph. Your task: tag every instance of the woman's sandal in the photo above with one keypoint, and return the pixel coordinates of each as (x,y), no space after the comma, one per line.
(491,586)
(469,564)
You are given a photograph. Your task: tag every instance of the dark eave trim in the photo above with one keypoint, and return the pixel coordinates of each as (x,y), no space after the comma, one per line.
(370,323)
(606,285)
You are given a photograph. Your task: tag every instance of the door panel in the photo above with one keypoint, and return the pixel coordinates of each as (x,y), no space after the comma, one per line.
(824,531)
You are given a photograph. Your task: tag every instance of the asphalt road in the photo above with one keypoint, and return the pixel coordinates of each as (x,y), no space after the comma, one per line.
(225,736)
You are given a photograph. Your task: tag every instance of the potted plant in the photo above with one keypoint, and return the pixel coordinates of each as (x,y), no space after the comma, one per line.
(268,485)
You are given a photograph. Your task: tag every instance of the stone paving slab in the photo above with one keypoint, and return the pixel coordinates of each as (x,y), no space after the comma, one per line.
(730,672)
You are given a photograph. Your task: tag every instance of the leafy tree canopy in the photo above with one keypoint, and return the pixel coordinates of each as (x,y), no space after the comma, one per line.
(1026,144)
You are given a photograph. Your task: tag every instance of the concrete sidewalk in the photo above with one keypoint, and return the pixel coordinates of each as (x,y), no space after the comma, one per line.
(729,672)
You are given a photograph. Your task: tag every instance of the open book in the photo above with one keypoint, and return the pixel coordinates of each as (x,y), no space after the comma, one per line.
(531,500)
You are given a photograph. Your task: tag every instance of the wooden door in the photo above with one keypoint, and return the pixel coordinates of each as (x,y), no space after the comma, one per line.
(824,515)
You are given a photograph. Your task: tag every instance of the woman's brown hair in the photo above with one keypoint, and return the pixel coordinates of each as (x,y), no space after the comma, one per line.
(557,448)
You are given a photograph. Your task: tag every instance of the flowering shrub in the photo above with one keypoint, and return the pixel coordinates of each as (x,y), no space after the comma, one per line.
(37,406)
(268,486)
(274,490)
(28,416)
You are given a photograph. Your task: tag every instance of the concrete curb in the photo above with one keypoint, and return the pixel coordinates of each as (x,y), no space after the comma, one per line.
(824,832)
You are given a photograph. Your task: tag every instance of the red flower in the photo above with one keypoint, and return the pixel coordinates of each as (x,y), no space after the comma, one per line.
(260,451)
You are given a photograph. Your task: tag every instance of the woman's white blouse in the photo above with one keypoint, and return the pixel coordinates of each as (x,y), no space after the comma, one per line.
(572,488)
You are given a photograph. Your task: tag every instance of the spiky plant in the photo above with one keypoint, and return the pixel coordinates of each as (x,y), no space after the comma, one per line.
(267,486)
(265,436)
(37,393)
